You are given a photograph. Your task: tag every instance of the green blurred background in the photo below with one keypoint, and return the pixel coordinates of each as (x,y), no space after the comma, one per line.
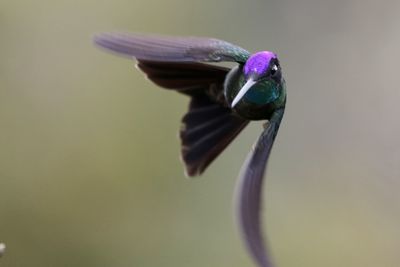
(89,167)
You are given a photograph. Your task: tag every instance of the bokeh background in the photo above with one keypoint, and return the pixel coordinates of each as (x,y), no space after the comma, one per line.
(89,167)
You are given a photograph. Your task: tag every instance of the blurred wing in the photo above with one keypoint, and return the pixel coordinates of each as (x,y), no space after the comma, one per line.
(249,191)
(209,126)
(171,49)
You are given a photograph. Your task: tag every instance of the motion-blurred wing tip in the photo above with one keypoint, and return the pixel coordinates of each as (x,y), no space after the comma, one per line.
(101,39)
(112,42)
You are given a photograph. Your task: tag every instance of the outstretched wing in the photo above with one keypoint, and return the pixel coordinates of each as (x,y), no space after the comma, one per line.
(171,49)
(209,126)
(250,188)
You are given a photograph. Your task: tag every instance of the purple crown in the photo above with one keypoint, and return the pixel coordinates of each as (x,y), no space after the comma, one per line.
(258,63)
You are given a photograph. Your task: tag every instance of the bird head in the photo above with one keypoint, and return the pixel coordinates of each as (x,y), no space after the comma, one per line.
(261,72)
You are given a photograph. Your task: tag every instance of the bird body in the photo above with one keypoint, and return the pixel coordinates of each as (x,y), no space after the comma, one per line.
(222,102)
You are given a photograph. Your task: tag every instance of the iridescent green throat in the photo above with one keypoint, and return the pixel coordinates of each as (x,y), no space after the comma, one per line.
(260,101)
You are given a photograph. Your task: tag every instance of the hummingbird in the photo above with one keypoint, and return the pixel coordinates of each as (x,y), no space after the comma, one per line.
(222,102)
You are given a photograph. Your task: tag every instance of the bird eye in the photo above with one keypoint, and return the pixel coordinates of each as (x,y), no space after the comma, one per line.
(274,69)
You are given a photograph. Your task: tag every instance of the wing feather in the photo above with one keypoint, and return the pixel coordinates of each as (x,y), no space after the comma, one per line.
(171,49)
(209,126)
(249,191)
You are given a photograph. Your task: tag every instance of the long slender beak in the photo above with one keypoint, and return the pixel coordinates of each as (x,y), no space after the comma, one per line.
(250,82)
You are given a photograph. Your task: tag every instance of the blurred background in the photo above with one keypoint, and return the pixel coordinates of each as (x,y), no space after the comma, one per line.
(89,161)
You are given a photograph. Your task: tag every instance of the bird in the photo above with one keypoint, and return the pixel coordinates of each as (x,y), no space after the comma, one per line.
(222,101)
